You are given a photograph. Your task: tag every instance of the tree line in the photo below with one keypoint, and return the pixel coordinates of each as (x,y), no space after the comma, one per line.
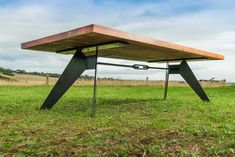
(11,72)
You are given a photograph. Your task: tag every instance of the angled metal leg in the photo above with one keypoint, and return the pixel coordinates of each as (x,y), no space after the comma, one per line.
(77,65)
(166,80)
(184,70)
(95,80)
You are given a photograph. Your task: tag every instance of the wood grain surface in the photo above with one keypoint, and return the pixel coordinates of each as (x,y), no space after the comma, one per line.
(139,48)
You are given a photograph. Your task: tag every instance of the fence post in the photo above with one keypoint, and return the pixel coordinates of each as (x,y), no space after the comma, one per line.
(47,80)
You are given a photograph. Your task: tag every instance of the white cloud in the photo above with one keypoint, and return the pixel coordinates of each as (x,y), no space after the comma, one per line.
(209,29)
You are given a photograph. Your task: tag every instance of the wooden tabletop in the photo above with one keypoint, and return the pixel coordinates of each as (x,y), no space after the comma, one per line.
(139,48)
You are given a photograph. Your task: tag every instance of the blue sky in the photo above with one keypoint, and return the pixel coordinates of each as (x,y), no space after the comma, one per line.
(204,24)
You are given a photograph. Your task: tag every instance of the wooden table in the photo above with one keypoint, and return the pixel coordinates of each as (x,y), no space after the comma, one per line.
(92,41)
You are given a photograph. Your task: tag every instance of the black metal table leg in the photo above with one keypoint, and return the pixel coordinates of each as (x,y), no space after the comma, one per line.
(95,80)
(184,70)
(166,80)
(77,65)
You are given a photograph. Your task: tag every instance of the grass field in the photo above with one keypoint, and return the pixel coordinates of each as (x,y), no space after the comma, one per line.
(130,121)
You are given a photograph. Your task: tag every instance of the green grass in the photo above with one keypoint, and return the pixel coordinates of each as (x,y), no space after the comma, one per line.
(130,121)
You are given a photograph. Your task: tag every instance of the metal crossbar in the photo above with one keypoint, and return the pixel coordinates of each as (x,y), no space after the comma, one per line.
(135,66)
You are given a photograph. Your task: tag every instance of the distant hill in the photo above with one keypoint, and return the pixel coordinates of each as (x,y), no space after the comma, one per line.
(10,72)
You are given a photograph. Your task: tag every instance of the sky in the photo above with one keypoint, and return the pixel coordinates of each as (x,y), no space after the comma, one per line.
(204,24)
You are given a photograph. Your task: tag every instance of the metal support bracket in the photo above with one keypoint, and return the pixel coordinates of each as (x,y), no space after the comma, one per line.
(79,63)
(184,70)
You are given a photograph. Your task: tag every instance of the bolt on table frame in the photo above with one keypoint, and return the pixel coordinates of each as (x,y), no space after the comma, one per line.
(79,63)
